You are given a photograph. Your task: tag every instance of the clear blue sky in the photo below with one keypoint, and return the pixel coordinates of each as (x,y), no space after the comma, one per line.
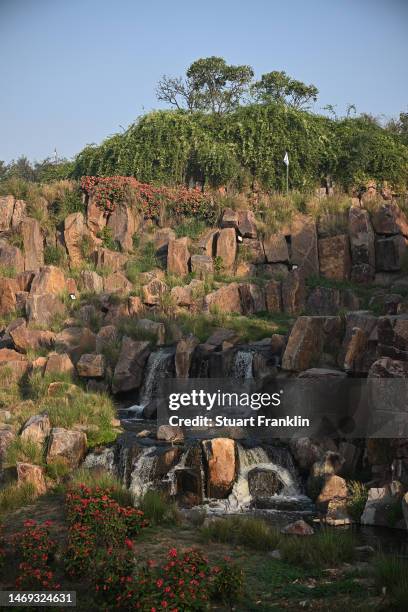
(73,71)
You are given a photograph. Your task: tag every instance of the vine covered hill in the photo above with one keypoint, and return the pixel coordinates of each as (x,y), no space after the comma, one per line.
(246,148)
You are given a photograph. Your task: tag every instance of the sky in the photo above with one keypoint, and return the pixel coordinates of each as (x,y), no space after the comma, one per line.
(73,72)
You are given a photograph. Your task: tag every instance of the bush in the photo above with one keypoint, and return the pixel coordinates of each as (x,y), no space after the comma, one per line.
(102,480)
(328,547)
(357,497)
(157,508)
(251,532)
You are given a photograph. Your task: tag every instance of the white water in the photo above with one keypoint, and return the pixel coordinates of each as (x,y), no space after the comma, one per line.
(242,365)
(157,364)
(143,471)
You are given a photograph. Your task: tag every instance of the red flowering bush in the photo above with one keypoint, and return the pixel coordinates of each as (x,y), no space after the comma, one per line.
(108,191)
(37,549)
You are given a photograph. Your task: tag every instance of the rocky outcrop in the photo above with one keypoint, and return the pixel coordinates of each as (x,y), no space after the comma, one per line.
(11,257)
(393,337)
(220,459)
(42,309)
(226,299)
(334,257)
(36,429)
(68,445)
(75,233)
(75,341)
(311,341)
(276,249)
(128,373)
(226,247)
(293,293)
(91,366)
(117,283)
(25,338)
(362,245)
(33,244)
(303,241)
(359,348)
(184,353)
(202,265)
(390,253)
(28,473)
(8,288)
(389,219)
(91,281)
(49,279)
(59,363)
(123,223)
(178,257)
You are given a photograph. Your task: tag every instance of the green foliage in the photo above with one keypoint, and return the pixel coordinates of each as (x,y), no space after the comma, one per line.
(103,480)
(245,531)
(108,242)
(158,509)
(15,495)
(391,572)
(55,256)
(357,497)
(277,86)
(328,547)
(25,451)
(192,228)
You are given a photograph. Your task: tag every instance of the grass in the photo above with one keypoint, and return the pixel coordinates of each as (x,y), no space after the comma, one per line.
(357,497)
(55,256)
(244,531)
(7,271)
(102,479)
(144,260)
(9,388)
(328,547)
(391,572)
(331,213)
(15,495)
(190,228)
(129,326)
(26,451)
(158,508)
(36,386)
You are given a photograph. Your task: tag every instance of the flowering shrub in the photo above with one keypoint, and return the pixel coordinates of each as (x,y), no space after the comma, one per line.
(179,201)
(37,550)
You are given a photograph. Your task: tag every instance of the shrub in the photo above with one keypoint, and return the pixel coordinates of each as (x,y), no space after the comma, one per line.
(36,548)
(357,497)
(327,547)
(107,239)
(102,480)
(246,531)
(55,256)
(24,450)
(192,228)
(157,508)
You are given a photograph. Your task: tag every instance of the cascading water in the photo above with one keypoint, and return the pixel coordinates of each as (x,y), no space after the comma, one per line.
(143,472)
(242,365)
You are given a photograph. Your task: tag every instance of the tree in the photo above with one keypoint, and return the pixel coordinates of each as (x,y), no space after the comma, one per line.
(277,86)
(400,127)
(211,85)
(21,168)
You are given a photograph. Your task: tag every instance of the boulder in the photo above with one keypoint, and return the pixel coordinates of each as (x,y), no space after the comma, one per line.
(19,212)
(390,253)
(11,257)
(33,244)
(304,346)
(244,269)
(359,346)
(304,251)
(128,373)
(15,364)
(276,249)
(75,232)
(207,243)
(168,433)
(36,429)
(226,299)
(178,257)
(162,237)
(202,265)
(75,341)
(221,336)
(106,336)
(263,482)
(389,219)
(334,490)
(252,251)
(6,212)
(393,337)
(49,279)
(59,363)
(123,223)
(273,296)
(28,473)
(330,301)
(42,309)
(220,458)
(109,260)
(226,247)
(379,505)
(8,288)
(135,305)
(335,257)
(293,293)
(184,354)
(388,368)
(69,445)
(362,245)
(229,218)
(298,528)
(182,296)
(153,291)
(6,438)
(91,366)
(91,282)
(25,338)
(95,216)
(155,328)
(117,283)
(247,224)
(252,298)
(24,280)
(306,452)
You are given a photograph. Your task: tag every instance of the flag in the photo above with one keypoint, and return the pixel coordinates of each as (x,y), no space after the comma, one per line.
(286,159)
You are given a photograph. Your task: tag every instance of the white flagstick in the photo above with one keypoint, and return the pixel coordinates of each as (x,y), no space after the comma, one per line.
(286,161)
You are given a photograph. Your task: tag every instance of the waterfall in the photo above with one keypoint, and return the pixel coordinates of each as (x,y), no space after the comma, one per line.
(242,365)
(143,471)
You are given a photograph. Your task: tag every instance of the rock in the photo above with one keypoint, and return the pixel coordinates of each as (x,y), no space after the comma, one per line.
(123,223)
(91,282)
(59,389)
(6,438)
(95,216)
(393,337)
(91,366)
(117,283)
(244,269)
(252,251)
(307,341)
(153,291)
(252,298)
(405,509)
(335,257)
(389,219)
(75,232)
(107,335)
(155,328)
(202,265)
(226,299)
(32,474)
(327,301)
(11,257)
(42,309)
(24,280)
(184,354)
(306,452)
(25,338)
(207,243)
(226,247)
(221,335)
(298,528)
(388,368)
(167,433)
(220,458)
(135,305)
(362,245)
(8,288)
(155,274)
(69,445)
(273,296)
(229,218)
(247,224)
(15,364)
(36,429)
(59,364)
(75,341)
(378,506)
(293,293)
(178,257)
(49,279)
(6,212)
(128,373)
(304,251)
(33,244)
(386,304)
(390,253)
(276,249)
(182,296)
(334,489)
(263,482)
(359,346)
(162,237)
(109,260)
